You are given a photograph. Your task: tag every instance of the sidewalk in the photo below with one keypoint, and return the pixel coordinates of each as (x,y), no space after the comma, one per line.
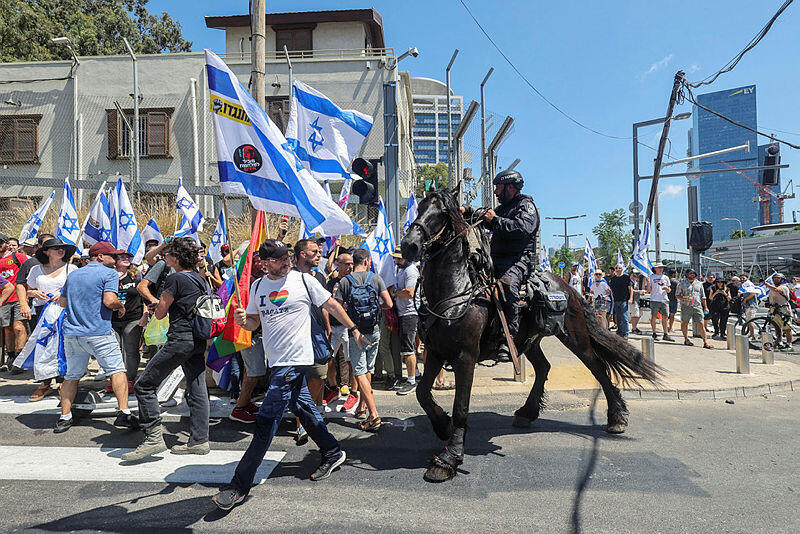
(689,372)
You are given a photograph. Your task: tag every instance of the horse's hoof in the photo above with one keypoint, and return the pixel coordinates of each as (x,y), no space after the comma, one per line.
(437,473)
(616,428)
(521,422)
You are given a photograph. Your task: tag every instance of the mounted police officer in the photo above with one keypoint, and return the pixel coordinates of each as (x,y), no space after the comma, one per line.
(513,245)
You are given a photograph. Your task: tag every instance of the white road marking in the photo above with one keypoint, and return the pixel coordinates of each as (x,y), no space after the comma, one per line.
(93,464)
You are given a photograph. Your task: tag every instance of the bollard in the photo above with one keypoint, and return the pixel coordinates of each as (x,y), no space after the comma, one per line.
(649,349)
(767,349)
(731,332)
(523,370)
(742,355)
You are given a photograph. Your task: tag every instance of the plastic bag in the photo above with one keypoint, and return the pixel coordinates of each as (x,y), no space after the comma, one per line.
(156,331)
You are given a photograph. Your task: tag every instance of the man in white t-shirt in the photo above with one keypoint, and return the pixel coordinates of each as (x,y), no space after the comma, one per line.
(281,304)
(575,281)
(659,287)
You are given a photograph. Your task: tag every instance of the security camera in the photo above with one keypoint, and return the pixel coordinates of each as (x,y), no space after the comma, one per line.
(413,51)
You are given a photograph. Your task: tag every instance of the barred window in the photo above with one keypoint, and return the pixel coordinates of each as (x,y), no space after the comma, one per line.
(19,138)
(296,39)
(154,133)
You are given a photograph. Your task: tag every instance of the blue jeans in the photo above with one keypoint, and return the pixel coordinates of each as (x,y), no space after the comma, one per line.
(621,312)
(288,386)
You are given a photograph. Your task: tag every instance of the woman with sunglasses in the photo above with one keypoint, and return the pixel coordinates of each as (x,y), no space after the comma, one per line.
(601,296)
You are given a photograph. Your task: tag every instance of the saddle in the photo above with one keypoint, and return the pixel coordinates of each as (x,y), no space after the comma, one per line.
(545,302)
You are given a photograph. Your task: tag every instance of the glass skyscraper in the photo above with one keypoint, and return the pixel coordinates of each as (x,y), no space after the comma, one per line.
(729,194)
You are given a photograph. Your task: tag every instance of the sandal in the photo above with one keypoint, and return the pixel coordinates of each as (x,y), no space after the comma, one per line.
(688,343)
(361,414)
(707,346)
(370,425)
(443,386)
(40,393)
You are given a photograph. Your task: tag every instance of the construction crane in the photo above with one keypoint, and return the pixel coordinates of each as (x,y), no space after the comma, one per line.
(764,192)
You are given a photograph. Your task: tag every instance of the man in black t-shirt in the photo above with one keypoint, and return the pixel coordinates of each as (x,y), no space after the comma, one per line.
(622,293)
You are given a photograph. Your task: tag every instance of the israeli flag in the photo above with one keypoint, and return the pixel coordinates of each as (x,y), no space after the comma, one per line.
(621,261)
(31,227)
(152,232)
(325,137)
(640,259)
(44,351)
(192,220)
(411,212)
(255,159)
(591,262)
(124,230)
(219,238)
(544,261)
(380,243)
(97,226)
(344,194)
(67,229)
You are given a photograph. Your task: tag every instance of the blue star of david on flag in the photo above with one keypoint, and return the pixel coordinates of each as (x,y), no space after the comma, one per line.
(31,227)
(126,220)
(317,130)
(185,203)
(70,224)
(51,331)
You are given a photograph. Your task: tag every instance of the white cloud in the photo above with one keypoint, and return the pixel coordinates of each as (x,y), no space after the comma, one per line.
(672,190)
(658,65)
(694,68)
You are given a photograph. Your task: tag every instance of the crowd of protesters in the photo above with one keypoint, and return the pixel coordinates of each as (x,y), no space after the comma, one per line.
(617,298)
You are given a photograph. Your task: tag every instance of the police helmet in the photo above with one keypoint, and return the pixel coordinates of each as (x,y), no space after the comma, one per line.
(509,177)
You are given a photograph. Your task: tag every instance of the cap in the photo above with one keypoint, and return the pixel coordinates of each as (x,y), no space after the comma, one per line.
(273,248)
(4,238)
(575,263)
(659,264)
(710,275)
(224,249)
(30,242)
(691,271)
(397,252)
(779,275)
(735,278)
(103,247)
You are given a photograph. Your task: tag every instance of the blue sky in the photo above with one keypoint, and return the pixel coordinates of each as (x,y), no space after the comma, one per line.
(608,64)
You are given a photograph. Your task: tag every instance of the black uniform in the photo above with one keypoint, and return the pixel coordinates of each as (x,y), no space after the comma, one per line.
(513,249)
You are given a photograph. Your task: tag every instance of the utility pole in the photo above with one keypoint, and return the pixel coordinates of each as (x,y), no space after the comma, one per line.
(484,180)
(258,51)
(566,235)
(450,122)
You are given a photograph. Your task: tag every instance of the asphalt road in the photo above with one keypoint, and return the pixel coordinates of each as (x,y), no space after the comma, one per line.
(683,466)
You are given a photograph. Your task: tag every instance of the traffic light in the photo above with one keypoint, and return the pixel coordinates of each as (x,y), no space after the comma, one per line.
(772,157)
(367,187)
(699,236)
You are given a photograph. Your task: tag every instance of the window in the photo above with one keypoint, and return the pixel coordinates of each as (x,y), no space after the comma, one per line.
(154,133)
(278,111)
(296,39)
(19,138)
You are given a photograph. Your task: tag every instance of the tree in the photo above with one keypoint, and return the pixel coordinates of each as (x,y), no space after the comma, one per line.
(95,27)
(612,235)
(736,234)
(436,172)
(563,254)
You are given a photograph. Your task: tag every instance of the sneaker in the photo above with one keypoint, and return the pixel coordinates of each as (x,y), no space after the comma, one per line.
(251,408)
(408,387)
(126,420)
(391,383)
(331,394)
(327,466)
(228,498)
(667,338)
(350,403)
(302,436)
(197,448)
(636,331)
(108,389)
(242,416)
(655,336)
(62,425)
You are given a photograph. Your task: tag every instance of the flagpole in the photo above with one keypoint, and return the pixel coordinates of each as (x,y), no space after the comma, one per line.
(228,238)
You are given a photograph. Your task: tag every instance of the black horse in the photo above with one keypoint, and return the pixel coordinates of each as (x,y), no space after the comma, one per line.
(458,326)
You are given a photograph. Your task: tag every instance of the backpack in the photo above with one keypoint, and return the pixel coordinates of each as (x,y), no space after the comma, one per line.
(209,318)
(363,306)
(794,302)
(323,350)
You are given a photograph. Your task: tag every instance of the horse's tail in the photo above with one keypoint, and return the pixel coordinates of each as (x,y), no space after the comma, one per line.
(624,361)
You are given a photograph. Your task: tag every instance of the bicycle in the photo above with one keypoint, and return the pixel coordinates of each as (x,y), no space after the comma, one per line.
(770,325)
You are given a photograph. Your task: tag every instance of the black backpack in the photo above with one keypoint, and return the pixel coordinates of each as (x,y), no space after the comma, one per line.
(363,306)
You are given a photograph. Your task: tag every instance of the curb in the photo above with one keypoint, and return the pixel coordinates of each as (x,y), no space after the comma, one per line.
(695,394)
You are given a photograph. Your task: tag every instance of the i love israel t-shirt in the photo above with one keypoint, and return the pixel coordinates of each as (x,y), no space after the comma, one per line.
(285,310)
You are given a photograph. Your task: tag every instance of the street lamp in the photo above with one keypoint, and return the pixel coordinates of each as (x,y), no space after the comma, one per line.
(484,180)
(74,75)
(566,234)
(755,257)
(636,231)
(741,233)
(449,119)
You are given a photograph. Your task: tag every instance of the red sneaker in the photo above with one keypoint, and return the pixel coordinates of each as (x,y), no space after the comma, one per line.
(331,394)
(350,404)
(251,408)
(242,415)
(108,389)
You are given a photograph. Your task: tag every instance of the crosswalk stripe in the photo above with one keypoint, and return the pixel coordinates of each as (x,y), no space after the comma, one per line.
(92,464)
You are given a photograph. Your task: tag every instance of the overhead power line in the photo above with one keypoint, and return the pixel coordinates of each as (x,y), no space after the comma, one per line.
(753,42)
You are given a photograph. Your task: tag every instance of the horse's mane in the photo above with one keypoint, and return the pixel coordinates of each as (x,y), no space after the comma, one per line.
(451,209)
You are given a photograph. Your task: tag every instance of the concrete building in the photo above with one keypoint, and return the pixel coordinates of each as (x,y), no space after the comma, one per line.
(763,253)
(54,124)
